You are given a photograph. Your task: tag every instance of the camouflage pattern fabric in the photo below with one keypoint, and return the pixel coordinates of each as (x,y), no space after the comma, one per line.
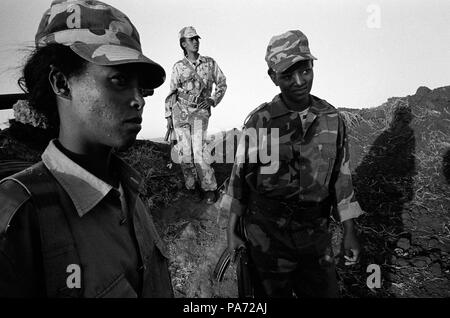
(188,32)
(313,160)
(190,130)
(287,49)
(97,32)
(184,80)
(292,259)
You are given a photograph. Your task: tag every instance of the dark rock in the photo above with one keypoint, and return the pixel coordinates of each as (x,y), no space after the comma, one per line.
(402,262)
(436,269)
(435,256)
(433,243)
(404,243)
(422,90)
(420,261)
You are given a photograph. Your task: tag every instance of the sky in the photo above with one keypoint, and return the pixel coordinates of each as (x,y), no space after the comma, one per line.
(367,50)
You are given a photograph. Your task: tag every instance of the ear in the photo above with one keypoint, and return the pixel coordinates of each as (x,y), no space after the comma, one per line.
(273,76)
(59,82)
(183,44)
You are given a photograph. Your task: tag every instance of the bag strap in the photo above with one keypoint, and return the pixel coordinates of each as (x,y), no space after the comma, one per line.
(197,77)
(57,242)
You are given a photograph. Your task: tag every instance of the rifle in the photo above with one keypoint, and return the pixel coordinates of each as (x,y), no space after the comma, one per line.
(245,269)
(168,133)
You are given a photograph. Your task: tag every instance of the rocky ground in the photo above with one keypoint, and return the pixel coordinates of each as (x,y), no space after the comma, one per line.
(401,170)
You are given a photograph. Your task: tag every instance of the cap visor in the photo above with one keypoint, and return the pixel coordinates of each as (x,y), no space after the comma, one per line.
(109,55)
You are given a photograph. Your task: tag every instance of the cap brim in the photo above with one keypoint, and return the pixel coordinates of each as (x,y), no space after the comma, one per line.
(287,63)
(110,54)
(190,37)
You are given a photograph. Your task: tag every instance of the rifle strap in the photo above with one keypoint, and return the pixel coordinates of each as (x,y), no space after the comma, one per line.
(188,64)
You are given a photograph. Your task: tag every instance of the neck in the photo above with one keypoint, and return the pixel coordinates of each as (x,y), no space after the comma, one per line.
(192,56)
(95,159)
(297,105)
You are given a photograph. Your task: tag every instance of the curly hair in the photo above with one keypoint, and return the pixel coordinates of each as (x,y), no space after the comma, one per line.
(35,77)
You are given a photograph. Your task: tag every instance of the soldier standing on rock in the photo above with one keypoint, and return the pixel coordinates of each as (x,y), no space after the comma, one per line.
(188,108)
(286,213)
(73,225)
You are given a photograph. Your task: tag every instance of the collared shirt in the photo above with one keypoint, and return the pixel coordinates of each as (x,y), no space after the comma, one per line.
(312,163)
(113,234)
(184,80)
(84,188)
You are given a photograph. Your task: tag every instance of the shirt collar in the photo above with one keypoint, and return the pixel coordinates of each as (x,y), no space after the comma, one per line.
(200,59)
(84,189)
(317,107)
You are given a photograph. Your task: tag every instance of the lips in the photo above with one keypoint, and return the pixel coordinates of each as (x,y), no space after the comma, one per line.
(135,120)
(133,123)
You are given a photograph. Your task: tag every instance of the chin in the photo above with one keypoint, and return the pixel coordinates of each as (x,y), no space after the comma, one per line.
(125,143)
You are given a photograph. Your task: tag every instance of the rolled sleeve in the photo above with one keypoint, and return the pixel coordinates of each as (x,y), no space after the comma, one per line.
(172,96)
(347,205)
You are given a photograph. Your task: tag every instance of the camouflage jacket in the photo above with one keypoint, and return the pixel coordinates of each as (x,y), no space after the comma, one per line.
(313,160)
(184,80)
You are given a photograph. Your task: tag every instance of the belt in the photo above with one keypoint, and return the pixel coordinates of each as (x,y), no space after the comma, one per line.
(191,100)
(295,209)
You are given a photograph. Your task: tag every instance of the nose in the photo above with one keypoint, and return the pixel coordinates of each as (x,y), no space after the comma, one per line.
(298,79)
(138,101)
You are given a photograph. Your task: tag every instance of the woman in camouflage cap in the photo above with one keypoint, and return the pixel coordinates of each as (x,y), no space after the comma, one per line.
(73,225)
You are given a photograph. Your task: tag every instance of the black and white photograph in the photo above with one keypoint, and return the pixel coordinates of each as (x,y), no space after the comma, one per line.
(225,154)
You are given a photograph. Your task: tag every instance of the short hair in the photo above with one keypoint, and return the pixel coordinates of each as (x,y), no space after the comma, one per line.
(181,45)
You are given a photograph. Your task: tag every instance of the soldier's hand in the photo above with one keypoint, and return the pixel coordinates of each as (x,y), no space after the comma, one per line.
(208,102)
(234,243)
(169,122)
(352,249)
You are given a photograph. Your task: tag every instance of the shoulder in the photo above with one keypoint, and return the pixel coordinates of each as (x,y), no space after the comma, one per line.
(178,64)
(208,59)
(262,111)
(14,196)
(322,106)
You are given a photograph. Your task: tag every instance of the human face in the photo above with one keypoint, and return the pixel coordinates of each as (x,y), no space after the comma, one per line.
(296,82)
(106,106)
(192,45)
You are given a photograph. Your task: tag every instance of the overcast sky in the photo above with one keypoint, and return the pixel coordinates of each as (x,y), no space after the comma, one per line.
(367,51)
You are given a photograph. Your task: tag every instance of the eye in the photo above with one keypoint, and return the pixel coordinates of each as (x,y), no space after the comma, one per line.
(119,80)
(307,71)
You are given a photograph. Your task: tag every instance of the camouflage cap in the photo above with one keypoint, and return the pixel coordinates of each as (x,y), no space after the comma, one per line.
(99,33)
(287,49)
(188,32)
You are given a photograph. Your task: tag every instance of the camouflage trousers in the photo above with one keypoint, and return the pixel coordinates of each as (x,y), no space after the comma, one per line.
(191,131)
(291,258)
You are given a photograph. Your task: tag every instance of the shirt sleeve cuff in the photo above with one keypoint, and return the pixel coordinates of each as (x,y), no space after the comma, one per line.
(349,210)
(232,205)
